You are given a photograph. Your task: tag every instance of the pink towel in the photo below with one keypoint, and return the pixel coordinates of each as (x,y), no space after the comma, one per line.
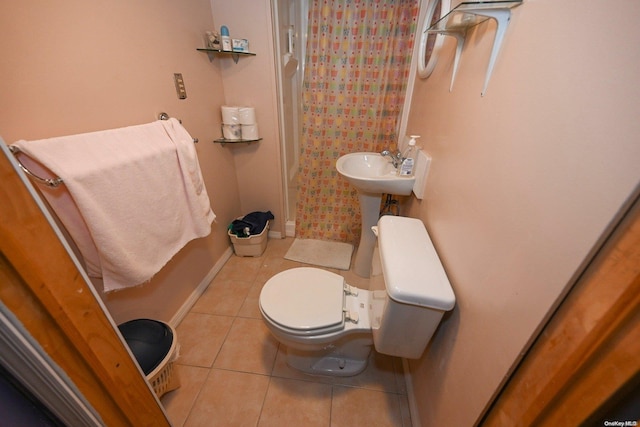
(135,197)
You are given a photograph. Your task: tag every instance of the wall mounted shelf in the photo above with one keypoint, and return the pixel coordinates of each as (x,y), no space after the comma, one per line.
(235,55)
(469,14)
(224,141)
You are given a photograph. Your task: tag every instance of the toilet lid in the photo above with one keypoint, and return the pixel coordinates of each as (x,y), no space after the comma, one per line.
(305,300)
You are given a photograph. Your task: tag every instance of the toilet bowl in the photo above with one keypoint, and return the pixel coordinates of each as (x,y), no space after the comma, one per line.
(322,322)
(329,327)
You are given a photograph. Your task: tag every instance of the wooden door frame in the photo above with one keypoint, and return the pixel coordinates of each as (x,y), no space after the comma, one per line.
(47,292)
(589,351)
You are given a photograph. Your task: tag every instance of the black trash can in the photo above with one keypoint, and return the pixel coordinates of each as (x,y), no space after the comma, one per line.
(154,345)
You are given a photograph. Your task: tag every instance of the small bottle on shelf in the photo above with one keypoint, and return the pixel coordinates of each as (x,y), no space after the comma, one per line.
(226,40)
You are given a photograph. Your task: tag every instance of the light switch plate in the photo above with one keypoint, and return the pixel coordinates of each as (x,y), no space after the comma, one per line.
(180,89)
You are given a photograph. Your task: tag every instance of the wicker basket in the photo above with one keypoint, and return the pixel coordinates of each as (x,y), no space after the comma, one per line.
(164,377)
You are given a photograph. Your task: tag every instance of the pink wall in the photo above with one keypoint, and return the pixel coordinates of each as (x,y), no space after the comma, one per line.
(75,66)
(252,82)
(523,183)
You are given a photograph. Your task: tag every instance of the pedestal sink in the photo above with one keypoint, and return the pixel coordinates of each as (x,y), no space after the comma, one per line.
(372,175)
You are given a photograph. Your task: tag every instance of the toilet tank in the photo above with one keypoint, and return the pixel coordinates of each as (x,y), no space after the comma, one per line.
(409,288)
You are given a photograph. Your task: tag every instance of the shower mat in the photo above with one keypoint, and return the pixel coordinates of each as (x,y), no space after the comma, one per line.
(320,252)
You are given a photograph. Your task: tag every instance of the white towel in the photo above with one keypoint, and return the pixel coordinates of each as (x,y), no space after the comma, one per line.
(138,192)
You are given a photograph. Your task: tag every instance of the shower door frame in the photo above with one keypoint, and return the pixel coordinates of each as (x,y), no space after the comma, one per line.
(289,138)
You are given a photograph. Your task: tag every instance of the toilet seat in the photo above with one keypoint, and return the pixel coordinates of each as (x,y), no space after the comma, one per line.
(305,301)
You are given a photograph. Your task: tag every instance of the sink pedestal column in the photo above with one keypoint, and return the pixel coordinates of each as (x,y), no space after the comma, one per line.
(372,175)
(370,211)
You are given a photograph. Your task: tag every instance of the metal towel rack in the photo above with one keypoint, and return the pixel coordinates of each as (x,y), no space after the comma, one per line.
(165,116)
(49,182)
(55,182)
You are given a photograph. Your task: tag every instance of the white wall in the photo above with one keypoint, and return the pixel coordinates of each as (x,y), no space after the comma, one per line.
(523,183)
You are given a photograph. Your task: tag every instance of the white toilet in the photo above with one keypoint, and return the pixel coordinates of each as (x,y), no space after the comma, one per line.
(328,326)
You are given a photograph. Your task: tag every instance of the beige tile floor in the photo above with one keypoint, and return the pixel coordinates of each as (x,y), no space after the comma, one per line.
(233,371)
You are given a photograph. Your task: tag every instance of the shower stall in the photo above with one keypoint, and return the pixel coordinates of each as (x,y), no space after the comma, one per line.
(290,23)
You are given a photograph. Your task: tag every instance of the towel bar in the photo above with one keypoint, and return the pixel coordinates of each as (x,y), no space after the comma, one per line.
(55,182)
(49,182)
(165,116)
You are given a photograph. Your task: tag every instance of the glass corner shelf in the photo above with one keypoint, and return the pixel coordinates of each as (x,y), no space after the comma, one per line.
(469,14)
(234,54)
(224,141)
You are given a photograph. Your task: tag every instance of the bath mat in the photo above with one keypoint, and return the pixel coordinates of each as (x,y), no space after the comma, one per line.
(322,253)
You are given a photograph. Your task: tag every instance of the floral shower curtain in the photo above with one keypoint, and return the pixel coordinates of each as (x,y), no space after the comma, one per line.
(357,68)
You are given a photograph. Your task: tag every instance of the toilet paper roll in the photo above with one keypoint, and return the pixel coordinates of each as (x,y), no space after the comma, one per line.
(250,132)
(247,115)
(231,131)
(230,115)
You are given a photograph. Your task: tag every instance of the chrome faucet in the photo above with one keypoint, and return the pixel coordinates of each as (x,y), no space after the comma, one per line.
(396,159)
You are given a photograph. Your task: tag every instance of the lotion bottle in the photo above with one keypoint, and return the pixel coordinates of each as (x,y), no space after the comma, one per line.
(226,40)
(408,166)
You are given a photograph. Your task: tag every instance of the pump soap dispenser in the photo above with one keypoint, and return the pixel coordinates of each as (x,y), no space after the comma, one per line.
(408,166)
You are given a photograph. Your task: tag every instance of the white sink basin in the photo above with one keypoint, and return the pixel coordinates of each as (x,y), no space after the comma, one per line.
(373,173)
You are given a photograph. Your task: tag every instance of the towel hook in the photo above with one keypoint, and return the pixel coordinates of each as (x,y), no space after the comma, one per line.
(165,116)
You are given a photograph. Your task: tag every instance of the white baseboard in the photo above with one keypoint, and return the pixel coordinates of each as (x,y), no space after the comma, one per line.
(275,234)
(197,293)
(411,397)
(290,229)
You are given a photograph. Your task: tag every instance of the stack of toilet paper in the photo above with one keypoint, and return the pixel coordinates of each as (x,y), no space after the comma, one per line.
(239,123)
